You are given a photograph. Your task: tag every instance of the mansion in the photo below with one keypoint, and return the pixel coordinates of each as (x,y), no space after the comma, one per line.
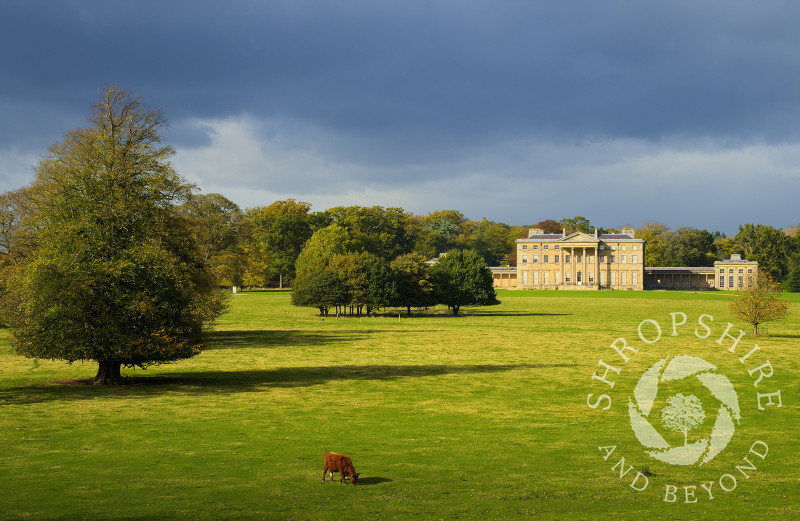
(580,261)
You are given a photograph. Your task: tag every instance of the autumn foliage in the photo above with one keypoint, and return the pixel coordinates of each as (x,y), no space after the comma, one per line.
(760,302)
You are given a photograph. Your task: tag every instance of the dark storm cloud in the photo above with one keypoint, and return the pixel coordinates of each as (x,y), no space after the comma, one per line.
(477,69)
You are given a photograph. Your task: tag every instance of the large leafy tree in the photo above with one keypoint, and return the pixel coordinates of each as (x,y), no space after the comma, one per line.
(462,279)
(725,246)
(352,269)
(547,226)
(114,274)
(384,232)
(321,289)
(216,222)
(367,278)
(658,237)
(413,281)
(323,245)
(381,285)
(280,231)
(576,224)
(15,236)
(768,246)
(439,231)
(689,247)
(493,242)
(792,282)
(16,244)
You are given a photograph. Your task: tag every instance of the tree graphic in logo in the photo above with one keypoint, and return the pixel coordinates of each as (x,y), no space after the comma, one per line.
(683,413)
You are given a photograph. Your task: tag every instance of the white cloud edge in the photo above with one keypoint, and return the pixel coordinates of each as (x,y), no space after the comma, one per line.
(238,159)
(256,162)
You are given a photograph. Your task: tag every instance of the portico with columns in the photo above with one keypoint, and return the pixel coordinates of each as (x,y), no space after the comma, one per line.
(580,261)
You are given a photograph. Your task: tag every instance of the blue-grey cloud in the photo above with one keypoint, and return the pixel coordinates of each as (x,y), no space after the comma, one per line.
(475,68)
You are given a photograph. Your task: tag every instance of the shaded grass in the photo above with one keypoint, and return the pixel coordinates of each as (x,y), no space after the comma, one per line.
(480,416)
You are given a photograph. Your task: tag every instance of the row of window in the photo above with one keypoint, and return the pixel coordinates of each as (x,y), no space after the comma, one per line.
(730,280)
(536,247)
(612,247)
(741,271)
(579,259)
(623,278)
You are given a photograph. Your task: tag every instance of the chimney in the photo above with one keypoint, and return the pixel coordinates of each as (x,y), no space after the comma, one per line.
(736,257)
(535,231)
(629,231)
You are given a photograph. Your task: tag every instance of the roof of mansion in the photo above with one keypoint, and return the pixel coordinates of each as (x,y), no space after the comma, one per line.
(561,236)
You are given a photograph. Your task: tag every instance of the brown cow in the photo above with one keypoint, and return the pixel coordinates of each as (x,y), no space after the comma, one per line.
(341,464)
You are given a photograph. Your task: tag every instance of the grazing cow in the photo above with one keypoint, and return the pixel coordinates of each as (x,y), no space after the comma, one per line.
(339,463)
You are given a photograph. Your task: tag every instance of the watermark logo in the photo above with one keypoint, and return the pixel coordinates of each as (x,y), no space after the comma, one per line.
(683,413)
(682,410)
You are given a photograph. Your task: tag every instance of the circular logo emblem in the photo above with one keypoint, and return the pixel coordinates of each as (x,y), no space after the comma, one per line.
(683,413)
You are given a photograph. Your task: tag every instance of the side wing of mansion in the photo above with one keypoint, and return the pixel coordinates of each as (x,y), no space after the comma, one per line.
(608,261)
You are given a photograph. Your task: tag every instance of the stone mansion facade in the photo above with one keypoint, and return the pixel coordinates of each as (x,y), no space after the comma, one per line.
(582,261)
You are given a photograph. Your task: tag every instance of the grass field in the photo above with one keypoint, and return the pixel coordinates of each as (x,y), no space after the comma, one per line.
(483,416)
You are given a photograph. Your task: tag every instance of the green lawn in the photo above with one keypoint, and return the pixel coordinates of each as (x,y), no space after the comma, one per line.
(482,416)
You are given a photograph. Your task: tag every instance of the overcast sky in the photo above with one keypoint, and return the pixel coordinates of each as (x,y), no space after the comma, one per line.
(624,112)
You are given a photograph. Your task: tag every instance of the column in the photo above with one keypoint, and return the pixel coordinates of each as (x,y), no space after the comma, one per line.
(584,278)
(572,264)
(597,266)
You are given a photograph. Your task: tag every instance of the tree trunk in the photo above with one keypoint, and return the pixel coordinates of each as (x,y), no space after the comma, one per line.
(280,281)
(108,374)
(409,310)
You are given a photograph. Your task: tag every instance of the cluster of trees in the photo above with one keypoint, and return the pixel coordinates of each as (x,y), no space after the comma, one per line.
(361,281)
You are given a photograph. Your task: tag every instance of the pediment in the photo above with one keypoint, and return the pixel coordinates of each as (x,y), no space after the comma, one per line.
(579,237)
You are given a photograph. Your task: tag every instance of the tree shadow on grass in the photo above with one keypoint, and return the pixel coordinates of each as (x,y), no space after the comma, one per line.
(108,516)
(467,312)
(268,339)
(513,314)
(780,335)
(215,382)
(289,377)
(254,339)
